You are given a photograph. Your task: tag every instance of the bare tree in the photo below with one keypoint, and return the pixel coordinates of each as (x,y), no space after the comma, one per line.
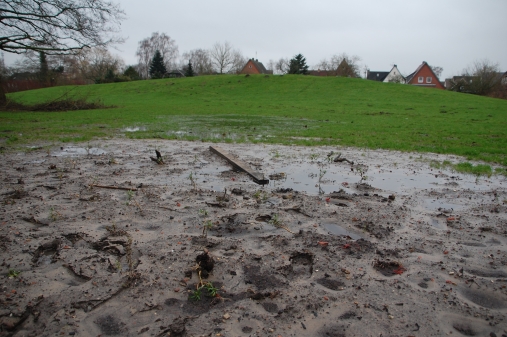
(346,65)
(282,66)
(222,56)
(324,65)
(437,70)
(201,61)
(57,26)
(480,78)
(238,62)
(96,63)
(146,50)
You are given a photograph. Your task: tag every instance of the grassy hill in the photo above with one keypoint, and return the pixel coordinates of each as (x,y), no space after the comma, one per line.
(286,109)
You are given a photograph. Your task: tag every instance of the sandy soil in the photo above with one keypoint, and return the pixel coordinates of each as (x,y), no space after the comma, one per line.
(389,247)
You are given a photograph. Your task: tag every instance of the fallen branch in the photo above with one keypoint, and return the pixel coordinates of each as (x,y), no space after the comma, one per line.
(340,159)
(114,187)
(297,209)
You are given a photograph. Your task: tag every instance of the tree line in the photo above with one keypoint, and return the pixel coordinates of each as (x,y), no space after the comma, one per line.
(64,40)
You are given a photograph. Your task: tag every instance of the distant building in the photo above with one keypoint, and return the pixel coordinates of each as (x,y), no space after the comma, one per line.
(253,66)
(175,73)
(394,75)
(424,76)
(378,76)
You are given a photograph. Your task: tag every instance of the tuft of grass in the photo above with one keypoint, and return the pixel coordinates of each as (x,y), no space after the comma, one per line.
(479,169)
(13,273)
(468,168)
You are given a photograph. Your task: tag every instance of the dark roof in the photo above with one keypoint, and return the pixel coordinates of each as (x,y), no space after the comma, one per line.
(377,75)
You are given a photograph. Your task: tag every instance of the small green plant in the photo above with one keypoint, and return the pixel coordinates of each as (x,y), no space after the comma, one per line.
(196,294)
(192,181)
(314,156)
(203,212)
(112,160)
(54,214)
(275,154)
(206,226)
(130,196)
(118,265)
(13,273)
(321,174)
(212,291)
(277,222)
(362,172)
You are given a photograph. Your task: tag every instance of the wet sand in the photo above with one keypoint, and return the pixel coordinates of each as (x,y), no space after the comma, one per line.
(385,246)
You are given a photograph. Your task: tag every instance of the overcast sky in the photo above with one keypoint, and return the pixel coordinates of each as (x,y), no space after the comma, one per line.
(446,33)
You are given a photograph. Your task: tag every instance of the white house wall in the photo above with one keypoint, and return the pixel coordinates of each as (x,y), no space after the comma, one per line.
(393,75)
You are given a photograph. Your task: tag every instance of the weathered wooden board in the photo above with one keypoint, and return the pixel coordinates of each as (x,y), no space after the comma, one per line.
(240,165)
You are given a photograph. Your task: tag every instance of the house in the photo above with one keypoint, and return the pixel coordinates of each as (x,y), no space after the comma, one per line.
(424,77)
(253,66)
(174,73)
(386,76)
(394,76)
(345,69)
(458,83)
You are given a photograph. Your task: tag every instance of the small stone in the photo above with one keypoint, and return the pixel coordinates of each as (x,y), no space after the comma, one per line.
(390,316)
(226,316)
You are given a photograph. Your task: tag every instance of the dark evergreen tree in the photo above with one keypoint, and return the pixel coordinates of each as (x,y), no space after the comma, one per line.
(44,74)
(189,72)
(132,73)
(297,65)
(157,66)
(110,76)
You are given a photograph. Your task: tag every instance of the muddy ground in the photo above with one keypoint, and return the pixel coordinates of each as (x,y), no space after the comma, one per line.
(386,246)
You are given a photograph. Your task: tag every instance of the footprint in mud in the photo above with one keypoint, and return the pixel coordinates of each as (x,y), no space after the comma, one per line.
(331,283)
(332,331)
(301,265)
(109,325)
(485,299)
(487,273)
(262,281)
(270,307)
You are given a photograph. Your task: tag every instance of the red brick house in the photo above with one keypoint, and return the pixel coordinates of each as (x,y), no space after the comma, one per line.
(253,66)
(424,77)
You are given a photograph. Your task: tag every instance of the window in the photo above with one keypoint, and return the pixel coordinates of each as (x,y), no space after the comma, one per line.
(420,79)
(250,66)
(428,79)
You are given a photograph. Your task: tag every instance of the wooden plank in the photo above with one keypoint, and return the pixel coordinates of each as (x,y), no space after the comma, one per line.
(240,165)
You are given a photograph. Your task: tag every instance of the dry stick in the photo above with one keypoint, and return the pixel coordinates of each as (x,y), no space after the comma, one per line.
(138,206)
(114,187)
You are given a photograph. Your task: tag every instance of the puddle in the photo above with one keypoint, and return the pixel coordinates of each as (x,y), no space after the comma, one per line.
(439,224)
(335,229)
(441,206)
(74,151)
(134,129)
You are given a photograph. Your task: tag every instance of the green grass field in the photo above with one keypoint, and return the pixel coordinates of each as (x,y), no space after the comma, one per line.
(288,109)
